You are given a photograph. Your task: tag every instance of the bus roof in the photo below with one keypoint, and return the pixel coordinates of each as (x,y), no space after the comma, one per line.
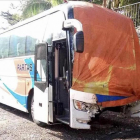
(62,7)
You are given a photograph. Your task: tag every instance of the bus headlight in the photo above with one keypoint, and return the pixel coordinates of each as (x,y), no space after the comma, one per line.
(82,106)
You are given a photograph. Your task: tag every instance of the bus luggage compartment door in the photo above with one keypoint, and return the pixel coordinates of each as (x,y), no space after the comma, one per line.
(41,102)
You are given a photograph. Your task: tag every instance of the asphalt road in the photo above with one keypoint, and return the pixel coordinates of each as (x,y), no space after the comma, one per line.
(16,125)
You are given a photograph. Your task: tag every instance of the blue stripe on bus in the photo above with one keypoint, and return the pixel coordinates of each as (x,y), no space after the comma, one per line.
(21,99)
(104,98)
(29,61)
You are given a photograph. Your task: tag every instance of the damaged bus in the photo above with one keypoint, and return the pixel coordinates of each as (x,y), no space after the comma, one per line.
(70,63)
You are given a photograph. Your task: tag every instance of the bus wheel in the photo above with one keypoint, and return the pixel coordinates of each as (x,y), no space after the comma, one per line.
(32,114)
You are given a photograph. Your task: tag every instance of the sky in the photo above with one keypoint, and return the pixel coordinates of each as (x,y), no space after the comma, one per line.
(5,6)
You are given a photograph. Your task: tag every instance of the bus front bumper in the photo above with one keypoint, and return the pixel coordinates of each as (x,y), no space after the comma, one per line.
(83,106)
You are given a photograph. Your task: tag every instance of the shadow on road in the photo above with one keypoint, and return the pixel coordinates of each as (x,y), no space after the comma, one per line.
(15,111)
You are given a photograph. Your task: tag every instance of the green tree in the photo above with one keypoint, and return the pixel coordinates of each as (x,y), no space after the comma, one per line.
(11,18)
(100,2)
(56,2)
(127,2)
(29,8)
(115,3)
(33,7)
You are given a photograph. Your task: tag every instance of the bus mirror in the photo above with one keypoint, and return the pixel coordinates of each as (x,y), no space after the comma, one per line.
(41,51)
(79,41)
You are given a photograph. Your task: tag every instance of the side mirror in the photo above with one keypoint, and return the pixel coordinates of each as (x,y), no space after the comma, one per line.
(41,51)
(78,36)
(79,42)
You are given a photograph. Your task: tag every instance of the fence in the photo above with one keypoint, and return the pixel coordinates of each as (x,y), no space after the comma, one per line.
(132,11)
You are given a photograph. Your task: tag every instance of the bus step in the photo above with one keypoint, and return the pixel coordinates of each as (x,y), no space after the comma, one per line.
(65,120)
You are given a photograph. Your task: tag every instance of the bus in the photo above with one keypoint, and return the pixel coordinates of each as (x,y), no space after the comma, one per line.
(69,64)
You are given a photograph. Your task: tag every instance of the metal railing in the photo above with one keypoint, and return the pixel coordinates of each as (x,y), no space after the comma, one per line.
(132,11)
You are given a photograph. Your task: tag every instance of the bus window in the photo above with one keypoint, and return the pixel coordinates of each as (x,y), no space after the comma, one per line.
(13,46)
(54,28)
(30,45)
(4,46)
(35,34)
(17,42)
(21,46)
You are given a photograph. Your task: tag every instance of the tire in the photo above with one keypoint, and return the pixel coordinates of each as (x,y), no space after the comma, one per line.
(32,114)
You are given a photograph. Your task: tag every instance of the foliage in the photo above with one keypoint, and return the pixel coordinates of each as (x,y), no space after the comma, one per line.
(56,2)
(11,18)
(29,8)
(33,7)
(97,1)
(126,2)
(114,3)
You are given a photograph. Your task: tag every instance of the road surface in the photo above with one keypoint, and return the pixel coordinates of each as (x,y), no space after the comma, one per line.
(17,125)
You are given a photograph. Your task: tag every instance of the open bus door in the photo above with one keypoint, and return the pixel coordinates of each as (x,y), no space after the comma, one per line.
(41,83)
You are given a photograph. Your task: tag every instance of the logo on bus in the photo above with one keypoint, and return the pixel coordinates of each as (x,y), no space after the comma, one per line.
(24,67)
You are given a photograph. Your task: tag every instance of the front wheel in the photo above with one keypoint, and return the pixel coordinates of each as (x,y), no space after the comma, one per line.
(32,114)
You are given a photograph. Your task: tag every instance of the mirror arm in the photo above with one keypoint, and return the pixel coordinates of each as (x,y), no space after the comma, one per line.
(72,23)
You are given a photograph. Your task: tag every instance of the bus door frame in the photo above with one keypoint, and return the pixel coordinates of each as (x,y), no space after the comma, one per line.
(41,92)
(56,43)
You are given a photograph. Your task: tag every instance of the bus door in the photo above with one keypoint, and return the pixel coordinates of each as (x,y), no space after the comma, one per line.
(41,83)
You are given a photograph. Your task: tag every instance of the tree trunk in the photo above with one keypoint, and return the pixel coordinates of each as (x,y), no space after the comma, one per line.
(104,3)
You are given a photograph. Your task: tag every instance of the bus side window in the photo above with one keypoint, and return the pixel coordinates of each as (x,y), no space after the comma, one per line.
(35,32)
(13,46)
(4,46)
(17,46)
(21,46)
(30,45)
(17,42)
